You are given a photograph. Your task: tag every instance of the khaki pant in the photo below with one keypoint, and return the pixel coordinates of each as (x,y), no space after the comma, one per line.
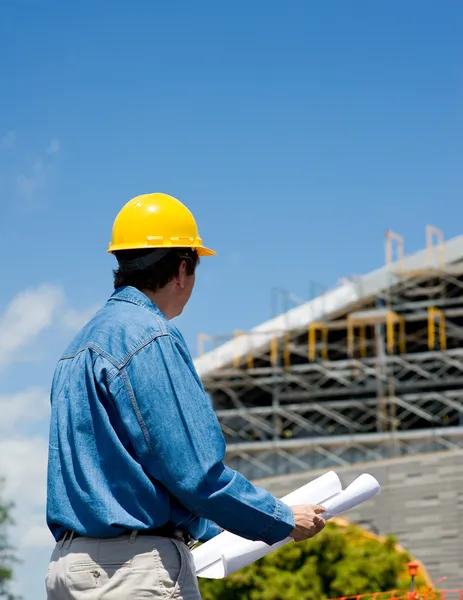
(127,567)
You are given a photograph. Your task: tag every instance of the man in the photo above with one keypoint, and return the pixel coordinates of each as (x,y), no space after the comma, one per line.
(135,469)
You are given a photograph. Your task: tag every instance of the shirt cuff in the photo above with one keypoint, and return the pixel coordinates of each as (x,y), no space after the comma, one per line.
(282,526)
(211,532)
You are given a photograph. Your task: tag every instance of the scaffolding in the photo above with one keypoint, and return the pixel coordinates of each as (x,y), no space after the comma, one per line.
(383,379)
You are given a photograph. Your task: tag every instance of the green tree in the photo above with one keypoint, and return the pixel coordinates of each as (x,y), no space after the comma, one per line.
(337,562)
(7,557)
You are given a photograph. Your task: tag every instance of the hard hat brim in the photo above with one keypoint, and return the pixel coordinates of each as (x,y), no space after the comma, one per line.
(201,250)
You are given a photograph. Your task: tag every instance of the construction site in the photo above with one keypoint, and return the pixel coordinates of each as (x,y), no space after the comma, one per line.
(367,376)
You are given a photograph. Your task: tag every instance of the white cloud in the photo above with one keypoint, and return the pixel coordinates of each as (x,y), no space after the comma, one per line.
(23,463)
(30,405)
(23,459)
(32,312)
(37,534)
(9,140)
(53,147)
(75,319)
(24,426)
(27,315)
(27,185)
(30,181)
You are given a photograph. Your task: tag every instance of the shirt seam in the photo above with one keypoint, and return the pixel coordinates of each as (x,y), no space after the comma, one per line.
(129,389)
(91,346)
(140,347)
(136,409)
(150,309)
(111,359)
(276,517)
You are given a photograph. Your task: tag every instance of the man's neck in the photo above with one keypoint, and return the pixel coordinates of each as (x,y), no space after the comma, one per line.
(163,302)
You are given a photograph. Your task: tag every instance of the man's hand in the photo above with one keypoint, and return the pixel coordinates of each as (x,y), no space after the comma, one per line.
(307,522)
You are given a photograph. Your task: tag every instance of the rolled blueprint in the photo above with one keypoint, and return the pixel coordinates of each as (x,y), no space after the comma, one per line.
(227,553)
(361,489)
(212,558)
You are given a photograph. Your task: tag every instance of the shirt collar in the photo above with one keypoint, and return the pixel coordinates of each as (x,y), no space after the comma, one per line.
(131,294)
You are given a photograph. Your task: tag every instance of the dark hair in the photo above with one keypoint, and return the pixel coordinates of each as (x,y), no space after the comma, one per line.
(157,275)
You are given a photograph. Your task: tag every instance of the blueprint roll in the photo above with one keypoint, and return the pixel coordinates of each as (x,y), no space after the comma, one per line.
(227,553)
(360,490)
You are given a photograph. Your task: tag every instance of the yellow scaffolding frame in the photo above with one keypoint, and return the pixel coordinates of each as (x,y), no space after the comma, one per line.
(435,250)
(391,237)
(274,346)
(363,340)
(390,318)
(249,357)
(356,328)
(286,350)
(318,332)
(352,322)
(202,339)
(274,351)
(314,328)
(433,315)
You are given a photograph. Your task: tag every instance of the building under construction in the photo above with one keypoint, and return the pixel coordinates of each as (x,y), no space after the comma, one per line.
(372,369)
(365,377)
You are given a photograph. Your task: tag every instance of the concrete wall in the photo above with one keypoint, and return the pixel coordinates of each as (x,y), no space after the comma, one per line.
(421,502)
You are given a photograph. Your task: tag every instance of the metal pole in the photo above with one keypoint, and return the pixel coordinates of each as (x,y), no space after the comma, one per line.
(381,368)
(276,424)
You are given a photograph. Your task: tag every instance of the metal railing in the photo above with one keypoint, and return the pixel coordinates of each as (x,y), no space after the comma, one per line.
(412,595)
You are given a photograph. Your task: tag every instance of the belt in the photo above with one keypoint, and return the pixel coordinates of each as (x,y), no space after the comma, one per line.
(164,531)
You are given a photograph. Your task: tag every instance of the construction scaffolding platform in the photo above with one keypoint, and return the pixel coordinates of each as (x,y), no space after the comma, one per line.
(371,369)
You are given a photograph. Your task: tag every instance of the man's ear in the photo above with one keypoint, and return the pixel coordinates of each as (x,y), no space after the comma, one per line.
(182,274)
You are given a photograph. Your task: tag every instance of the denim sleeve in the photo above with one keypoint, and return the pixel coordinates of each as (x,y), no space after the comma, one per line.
(180,443)
(211,532)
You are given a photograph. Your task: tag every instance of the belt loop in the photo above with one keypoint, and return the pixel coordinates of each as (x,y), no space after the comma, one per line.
(133,536)
(61,543)
(71,537)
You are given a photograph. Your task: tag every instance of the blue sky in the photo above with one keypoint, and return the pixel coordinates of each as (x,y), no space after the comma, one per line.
(296,134)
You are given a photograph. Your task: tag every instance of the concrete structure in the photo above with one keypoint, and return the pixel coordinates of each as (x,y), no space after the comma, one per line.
(421,503)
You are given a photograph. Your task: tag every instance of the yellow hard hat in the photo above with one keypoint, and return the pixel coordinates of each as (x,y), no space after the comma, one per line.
(156,221)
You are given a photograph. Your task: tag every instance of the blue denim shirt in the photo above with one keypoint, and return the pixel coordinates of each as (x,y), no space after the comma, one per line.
(134,442)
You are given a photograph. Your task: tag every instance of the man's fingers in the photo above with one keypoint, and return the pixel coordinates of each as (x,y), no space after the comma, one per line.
(318,510)
(319,522)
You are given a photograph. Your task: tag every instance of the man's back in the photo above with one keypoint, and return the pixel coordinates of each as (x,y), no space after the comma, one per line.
(96,484)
